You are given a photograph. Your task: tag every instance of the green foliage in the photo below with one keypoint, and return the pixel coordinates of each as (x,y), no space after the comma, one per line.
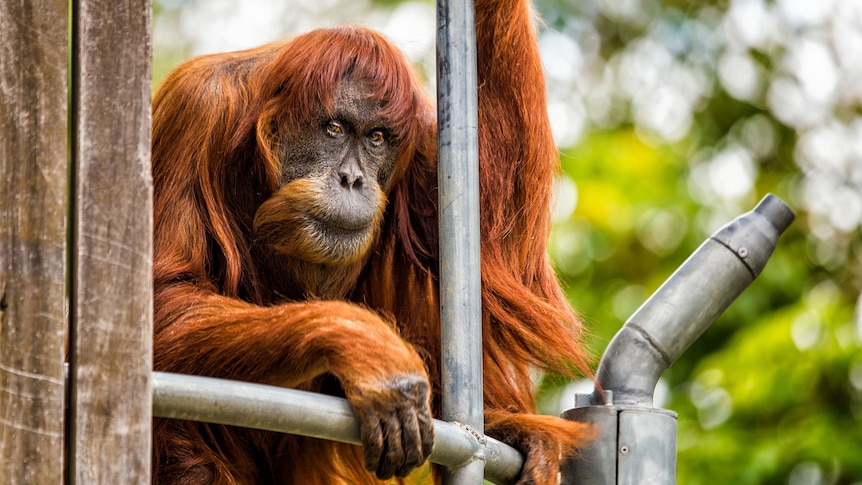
(772,392)
(767,392)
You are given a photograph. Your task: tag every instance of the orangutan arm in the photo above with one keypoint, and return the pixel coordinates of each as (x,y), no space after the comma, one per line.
(205,333)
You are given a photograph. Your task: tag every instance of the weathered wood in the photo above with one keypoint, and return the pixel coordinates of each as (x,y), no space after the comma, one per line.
(111,307)
(33,184)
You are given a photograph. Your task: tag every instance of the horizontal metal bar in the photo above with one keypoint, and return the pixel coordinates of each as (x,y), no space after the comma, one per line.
(304,413)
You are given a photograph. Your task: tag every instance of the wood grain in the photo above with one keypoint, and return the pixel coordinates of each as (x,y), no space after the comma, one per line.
(33,181)
(111,405)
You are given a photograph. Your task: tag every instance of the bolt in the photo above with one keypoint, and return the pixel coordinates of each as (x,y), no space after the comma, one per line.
(624,450)
(742,252)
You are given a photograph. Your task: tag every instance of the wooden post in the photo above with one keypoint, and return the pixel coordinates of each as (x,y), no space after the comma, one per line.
(33,115)
(111,296)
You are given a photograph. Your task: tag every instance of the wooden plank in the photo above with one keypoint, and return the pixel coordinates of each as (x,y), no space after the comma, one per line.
(111,308)
(33,181)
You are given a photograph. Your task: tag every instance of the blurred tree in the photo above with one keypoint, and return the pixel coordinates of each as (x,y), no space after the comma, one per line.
(686,114)
(673,117)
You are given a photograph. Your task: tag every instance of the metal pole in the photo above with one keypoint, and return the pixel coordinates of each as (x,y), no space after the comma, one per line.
(458,176)
(258,406)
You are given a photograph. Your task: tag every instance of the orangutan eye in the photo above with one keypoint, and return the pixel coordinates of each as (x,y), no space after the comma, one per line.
(377,137)
(333,128)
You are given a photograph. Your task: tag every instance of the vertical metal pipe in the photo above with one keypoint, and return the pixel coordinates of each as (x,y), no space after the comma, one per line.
(458,176)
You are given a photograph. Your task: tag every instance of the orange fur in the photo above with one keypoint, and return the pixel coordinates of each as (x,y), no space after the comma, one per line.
(216,142)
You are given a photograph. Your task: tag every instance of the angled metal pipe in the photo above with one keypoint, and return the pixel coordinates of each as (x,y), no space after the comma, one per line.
(638,442)
(678,312)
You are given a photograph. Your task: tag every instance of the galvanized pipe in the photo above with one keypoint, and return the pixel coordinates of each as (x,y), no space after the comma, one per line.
(258,406)
(458,196)
(674,317)
(638,442)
